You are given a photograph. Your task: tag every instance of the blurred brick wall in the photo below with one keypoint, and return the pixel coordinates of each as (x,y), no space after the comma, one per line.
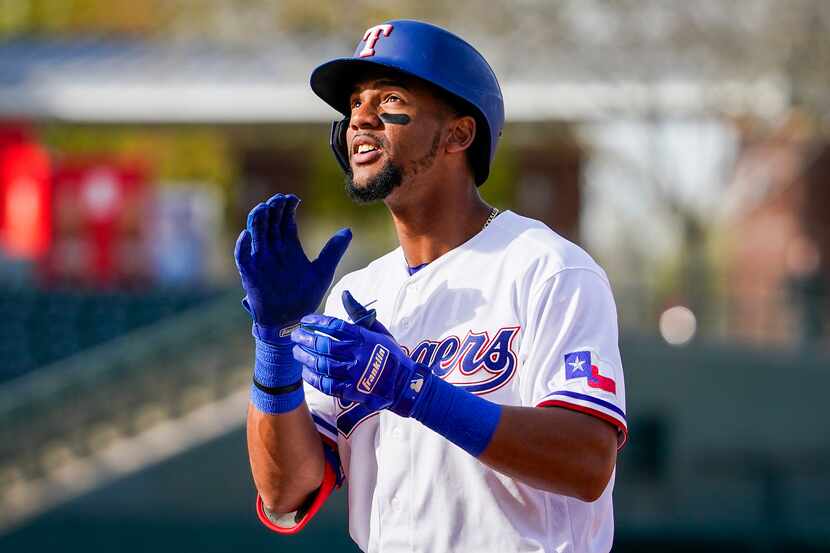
(778,261)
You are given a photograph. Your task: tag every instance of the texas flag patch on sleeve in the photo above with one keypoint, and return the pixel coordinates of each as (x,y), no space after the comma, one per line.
(582,364)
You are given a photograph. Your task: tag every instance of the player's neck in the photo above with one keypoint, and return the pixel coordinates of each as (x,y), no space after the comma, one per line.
(433,224)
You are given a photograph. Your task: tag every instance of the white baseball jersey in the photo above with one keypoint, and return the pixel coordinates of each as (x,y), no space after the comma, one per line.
(518,315)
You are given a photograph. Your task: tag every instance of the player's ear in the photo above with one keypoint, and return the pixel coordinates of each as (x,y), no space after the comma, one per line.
(462,132)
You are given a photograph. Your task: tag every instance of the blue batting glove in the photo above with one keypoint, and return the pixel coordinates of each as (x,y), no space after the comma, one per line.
(362,362)
(354,363)
(281,284)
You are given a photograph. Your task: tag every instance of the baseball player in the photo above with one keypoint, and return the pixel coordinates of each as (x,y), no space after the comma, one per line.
(468,384)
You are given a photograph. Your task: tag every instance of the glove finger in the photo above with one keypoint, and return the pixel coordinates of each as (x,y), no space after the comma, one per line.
(288,228)
(343,350)
(276,205)
(258,226)
(321,364)
(355,309)
(326,384)
(322,344)
(332,326)
(360,315)
(332,367)
(242,251)
(332,253)
(303,357)
(314,379)
(278,196)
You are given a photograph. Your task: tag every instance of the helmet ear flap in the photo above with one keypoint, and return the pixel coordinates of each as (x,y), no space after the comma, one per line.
(337,141)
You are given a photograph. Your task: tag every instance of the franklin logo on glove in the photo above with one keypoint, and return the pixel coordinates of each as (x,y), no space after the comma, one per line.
(377,362)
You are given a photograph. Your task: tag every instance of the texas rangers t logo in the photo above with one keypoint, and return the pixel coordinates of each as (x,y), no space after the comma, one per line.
(371,36)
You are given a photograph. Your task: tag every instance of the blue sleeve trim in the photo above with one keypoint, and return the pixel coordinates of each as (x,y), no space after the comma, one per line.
(590,399)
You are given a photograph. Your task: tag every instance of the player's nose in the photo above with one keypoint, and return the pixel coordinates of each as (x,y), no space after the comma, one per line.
(364,116)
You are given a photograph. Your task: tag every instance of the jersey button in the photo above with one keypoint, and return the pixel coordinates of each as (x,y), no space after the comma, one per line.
(396,504)
(397,433)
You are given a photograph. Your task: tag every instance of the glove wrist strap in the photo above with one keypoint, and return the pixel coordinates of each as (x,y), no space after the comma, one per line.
(419,381)
(276,334)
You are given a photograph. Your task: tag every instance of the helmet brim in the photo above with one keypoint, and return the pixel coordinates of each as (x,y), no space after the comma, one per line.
(334,80)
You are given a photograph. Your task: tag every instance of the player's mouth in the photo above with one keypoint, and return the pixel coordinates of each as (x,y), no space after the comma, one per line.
(366,150)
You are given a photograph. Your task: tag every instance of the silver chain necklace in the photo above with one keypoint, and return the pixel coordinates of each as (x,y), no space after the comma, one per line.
(493,213)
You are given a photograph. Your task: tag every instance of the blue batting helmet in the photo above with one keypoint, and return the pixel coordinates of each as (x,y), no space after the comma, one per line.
(429,53)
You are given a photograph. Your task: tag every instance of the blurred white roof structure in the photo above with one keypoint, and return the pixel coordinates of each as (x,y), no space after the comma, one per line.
(109,80)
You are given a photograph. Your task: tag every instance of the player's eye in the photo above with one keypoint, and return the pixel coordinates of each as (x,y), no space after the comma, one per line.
(356,104)
(392,98)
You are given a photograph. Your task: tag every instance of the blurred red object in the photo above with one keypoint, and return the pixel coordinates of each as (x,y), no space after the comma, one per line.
(100,209)
(25,194)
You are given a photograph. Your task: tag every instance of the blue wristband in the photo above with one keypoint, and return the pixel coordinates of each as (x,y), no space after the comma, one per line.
(276,404)
(463,418)
(275,365)
(276,372)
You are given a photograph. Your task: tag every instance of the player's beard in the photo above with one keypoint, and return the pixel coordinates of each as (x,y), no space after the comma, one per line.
(376,188)
(389,177)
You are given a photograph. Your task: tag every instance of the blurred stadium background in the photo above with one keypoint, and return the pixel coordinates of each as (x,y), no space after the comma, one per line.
(684,144)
